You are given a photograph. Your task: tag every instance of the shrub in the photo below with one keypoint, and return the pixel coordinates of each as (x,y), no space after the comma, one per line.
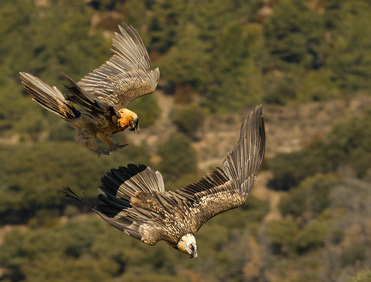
(290,169)
(313,236)
(280,235)
(349,143)
(312,196)
(362,276)
(188,119)
(177,157)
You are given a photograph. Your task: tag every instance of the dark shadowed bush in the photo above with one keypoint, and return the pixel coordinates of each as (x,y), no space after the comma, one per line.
(188,119)
(310,198)
(177,157)
(281,234)
(349,144)
(289,169)
(313,235)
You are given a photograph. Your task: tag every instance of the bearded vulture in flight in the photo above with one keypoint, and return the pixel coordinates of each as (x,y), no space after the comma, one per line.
(134,199)
(103,94)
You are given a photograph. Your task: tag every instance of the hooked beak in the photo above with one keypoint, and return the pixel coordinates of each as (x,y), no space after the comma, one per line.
(134,125)
(194,251)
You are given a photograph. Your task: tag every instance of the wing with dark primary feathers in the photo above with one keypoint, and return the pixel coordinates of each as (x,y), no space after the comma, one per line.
(134,199)
(118,187)
(226,188)
(83,98)
(127,75)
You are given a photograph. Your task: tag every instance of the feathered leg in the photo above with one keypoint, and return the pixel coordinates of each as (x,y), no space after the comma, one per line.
(87,139)
(106,139)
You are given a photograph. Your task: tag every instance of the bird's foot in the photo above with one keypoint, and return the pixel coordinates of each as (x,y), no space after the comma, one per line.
(103,152)
(116,146)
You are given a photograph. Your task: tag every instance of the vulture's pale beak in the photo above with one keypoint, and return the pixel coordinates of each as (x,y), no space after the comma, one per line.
(193,248)
(134,125)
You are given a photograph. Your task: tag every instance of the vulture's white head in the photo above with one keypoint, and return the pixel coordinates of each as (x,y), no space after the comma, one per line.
(187,245)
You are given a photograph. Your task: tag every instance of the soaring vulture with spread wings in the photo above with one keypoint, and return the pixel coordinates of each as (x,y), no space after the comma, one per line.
(134,199)
(103,94)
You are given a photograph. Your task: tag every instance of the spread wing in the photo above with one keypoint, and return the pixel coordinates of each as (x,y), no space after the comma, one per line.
(127,75)
(134,199)
(226,188)
(118,188)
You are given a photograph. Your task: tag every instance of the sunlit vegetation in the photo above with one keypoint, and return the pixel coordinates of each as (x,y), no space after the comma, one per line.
(177,157)
(346,145)
(188,119)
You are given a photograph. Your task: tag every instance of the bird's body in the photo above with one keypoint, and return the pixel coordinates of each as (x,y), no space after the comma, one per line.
(103,95)
(89,126)
(134,199)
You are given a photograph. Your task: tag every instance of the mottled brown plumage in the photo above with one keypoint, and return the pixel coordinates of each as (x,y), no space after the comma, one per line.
(103,94)
(134,199)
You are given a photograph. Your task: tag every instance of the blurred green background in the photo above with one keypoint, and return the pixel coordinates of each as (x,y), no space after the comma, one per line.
(309,64)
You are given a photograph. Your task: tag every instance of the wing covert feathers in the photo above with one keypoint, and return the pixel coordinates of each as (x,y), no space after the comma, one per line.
(127,75)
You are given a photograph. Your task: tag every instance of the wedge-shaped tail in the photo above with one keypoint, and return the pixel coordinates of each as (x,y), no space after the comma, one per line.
(48,97)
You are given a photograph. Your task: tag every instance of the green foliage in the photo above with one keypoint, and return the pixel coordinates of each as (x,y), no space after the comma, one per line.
(285,237)
(280,235)
(36,173)
(188,119)
(281,89)
(314,235)
(44,41)
(237,81)
(290,169)
(177,157)
(104,5)
(257,209)
(350,59)
(318,86)
(310,198)
(348,143)
(362,276)
(147,110)
(295,35)
(166,23)
(137,15)
(47,246)
(186,61)
(61,131)
(47,40)
(17,110)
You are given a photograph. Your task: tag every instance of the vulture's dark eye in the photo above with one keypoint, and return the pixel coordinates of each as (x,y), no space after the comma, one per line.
(191,247)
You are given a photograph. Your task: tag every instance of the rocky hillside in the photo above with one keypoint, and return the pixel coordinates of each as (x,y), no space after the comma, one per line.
(288,128)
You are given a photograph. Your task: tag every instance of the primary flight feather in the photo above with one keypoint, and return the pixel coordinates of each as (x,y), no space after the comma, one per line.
(103,94)
(134,199)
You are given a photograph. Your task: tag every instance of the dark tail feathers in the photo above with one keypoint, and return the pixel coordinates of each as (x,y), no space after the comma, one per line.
(48,97)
